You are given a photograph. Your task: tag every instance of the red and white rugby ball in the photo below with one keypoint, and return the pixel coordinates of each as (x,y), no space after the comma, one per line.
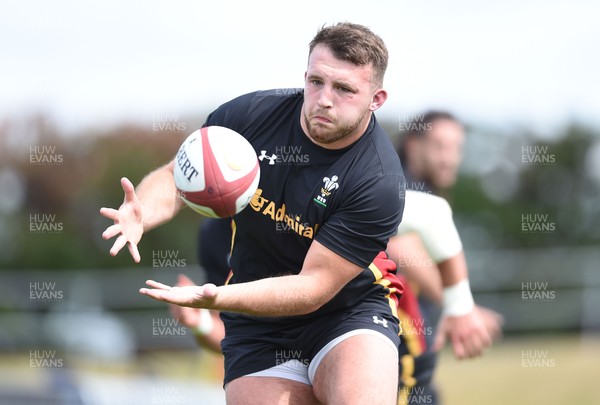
(216,172)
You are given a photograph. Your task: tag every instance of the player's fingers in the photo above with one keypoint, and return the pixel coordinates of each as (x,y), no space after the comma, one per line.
(480,343)
(499,318)
(440,340)
(458,347)
(157,285)
(473,346)
(486,338)
(129,190)
(495,324)
(118,245)
(164,296)
(492,320)
(479,340)
(135,253)
(109,213)
(153,293)
(111,231)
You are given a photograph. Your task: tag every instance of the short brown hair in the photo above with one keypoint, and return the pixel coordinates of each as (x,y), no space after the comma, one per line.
(354,43)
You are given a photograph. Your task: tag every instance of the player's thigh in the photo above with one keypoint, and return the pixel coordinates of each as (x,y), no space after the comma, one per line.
(362,369)
(268,390)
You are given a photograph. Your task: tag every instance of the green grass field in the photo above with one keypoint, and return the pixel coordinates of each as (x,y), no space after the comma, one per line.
(536,370)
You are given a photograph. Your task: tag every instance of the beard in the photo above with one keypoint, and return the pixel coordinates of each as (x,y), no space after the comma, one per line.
(325,135)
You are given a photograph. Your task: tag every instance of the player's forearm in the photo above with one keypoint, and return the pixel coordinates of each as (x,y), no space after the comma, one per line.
(158,197)
(276,296)
(413,261)
(457,298)
(427,279)
(453,270)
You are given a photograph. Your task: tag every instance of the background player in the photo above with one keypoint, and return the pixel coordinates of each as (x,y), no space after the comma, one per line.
(431,153)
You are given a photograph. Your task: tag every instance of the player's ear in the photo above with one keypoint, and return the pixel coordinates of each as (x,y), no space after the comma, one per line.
(378,99)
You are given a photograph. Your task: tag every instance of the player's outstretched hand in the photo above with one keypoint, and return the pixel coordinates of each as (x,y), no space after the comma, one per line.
(188,296)
(128,222)
(189,317)
(468,334)
(492,320)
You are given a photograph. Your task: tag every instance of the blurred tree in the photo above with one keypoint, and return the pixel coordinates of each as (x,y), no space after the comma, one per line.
(70,192)
(67,180)
(551,205)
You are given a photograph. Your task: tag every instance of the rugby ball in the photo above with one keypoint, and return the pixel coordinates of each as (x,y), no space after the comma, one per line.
(216,172)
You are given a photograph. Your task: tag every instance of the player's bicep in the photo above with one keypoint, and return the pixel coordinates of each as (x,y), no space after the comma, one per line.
(328,271)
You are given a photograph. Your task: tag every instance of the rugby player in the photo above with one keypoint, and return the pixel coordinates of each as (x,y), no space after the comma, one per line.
(431,153)
(427,216)
(315,291)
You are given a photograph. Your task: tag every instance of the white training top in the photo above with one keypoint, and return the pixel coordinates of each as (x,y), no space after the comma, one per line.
(430,217)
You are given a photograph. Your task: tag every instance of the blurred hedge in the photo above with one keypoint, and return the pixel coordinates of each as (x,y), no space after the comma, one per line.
(71,192)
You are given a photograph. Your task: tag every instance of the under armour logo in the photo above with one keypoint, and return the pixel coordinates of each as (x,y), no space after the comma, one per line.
(381,322)
(263,155)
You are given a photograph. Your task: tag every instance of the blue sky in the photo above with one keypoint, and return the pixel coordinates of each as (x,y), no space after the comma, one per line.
(529,63)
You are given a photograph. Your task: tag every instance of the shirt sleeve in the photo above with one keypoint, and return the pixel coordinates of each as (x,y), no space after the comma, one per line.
(430,217)
(361,227)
